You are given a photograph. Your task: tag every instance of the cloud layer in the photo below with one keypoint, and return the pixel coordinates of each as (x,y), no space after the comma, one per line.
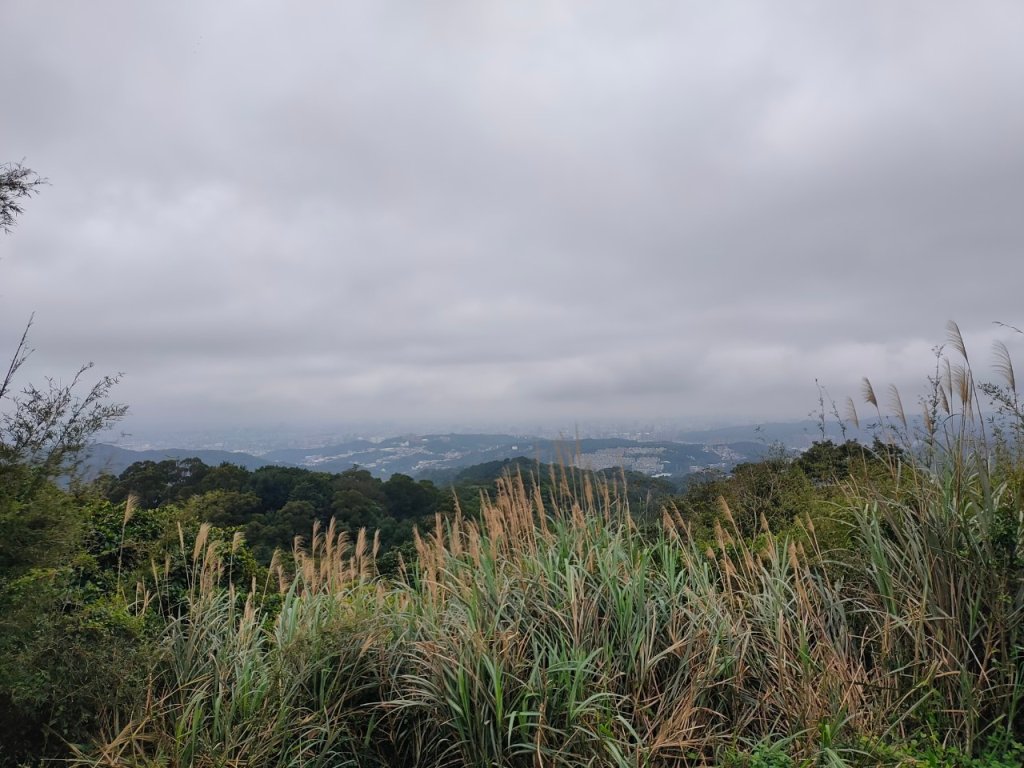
(540,212)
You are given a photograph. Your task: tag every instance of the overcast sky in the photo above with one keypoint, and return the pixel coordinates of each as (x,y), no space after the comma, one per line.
(492,212)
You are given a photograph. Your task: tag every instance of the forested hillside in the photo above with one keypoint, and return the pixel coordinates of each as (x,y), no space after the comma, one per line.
(100,578)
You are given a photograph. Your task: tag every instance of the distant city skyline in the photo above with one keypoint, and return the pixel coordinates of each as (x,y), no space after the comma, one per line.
(481,214)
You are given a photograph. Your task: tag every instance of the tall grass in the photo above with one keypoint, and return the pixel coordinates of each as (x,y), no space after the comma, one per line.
(559,635)
(555,631)
(237,684)
(944,550)
(547,633)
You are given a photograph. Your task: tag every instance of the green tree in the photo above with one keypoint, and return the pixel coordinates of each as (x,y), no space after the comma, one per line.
(43,429)
(155,483)
(278,529)
(316,488)
(67,649)
(224,508)
(16,183)
(225,477)
(354,510)
(825,462)
(274,484)
(774,491)
(407,498)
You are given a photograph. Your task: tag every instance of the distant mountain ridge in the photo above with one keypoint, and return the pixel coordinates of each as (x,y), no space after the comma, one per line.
(113,460)
(796,435)
(441,456)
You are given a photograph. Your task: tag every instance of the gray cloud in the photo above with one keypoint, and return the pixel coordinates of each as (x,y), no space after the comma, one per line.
(501,212)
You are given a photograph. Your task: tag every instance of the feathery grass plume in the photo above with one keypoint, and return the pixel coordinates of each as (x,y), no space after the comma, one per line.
(282,577)
(896,403)
(1013,328)
(329,541)
(956,339)
(946,386)
(153,569)
(851,412)
(315,539)
(967,387)
(200,543)
(868,392)
(962,386)
(143,598)
(130,506)
(272,570)
(359,568)
(1005,400)
(1004,365)
(129,510)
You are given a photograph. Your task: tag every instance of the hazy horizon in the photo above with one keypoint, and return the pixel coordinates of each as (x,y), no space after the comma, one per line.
(480,214)
(257,440)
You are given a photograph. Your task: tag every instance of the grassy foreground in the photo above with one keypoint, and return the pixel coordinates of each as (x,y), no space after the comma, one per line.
(557,632)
